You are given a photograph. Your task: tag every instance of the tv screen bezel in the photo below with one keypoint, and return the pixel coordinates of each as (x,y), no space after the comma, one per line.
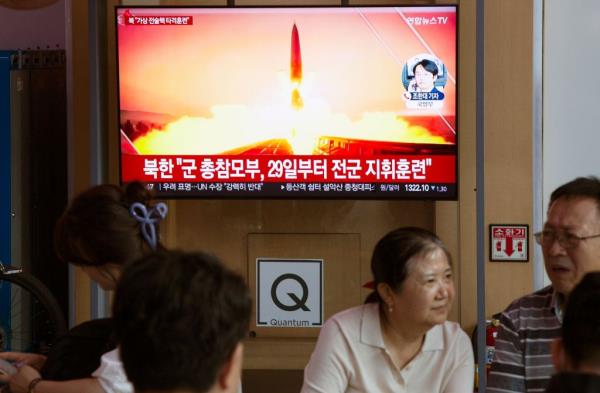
(380,196)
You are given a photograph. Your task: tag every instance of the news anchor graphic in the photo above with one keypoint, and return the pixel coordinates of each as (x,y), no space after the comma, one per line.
(424,77)
(291,107)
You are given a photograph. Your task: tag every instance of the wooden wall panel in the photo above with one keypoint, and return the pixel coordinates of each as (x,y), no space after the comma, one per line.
(341,272)
(446,218)
(79,139)
(466,227)
(222,226)
(291,347)
(508,138)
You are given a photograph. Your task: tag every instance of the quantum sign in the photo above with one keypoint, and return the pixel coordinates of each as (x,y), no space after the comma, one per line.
(289,292)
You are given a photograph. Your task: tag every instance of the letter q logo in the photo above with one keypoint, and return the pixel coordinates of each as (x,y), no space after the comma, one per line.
(299,302)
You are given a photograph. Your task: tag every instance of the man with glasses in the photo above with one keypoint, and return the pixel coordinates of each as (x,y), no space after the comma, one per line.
(570,242)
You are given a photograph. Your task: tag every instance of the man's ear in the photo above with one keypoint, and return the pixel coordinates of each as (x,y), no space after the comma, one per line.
(230,375)
(558,355)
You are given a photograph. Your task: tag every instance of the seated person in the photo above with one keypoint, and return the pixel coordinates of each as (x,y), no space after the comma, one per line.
(570,243)
(103,229)
(179,319)
(400,339)
(576,354)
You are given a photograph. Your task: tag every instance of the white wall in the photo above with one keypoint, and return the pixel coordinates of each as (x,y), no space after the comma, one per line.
(571,129)
(571,95)
(30,29)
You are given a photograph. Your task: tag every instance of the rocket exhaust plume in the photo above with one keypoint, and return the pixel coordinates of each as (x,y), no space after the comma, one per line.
(296,69)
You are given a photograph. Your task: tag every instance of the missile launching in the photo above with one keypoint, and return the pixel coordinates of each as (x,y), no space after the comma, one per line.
(296,69)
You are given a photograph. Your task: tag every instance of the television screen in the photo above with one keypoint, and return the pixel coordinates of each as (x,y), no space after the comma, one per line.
(278,102)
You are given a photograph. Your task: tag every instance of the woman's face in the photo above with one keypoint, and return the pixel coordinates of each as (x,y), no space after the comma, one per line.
(427,293)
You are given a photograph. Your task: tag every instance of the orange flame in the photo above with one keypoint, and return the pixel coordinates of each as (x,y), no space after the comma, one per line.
(234,126)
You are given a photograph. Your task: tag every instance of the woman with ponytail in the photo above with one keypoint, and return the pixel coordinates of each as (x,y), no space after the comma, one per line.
(400,340)
(102,230)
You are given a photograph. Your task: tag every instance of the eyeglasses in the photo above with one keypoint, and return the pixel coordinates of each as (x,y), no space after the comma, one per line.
(565,240)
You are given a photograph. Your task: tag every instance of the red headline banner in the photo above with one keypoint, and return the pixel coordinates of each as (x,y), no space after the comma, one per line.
(382,169)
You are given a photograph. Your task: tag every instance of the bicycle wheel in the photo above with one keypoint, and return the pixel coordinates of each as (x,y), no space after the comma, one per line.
(30,317)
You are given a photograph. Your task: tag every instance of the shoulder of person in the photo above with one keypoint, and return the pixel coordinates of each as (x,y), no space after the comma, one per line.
(77,354)
(95,328)
(351,318)
(452,331)
(455,340)
(355,313)
(538,299)
(522,310)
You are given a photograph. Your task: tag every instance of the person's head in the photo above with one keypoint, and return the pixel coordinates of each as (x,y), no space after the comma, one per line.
(578,348)
(425,73)
(568,240)
(412,275)
(100,232)
(179,319)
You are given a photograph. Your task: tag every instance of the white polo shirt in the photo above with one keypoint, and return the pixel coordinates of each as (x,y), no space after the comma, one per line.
(350,357)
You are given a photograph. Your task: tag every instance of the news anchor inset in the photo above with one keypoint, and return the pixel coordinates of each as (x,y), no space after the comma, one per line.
(424,77)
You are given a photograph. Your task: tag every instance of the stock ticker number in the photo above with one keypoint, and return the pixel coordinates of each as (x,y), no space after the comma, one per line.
(412,187)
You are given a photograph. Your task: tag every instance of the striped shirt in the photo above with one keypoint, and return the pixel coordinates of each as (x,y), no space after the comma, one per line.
(523,359)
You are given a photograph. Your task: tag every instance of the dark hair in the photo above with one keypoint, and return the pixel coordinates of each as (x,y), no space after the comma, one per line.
(392,254)
(581,322)
(97,227)
(178,318)
(428,65)
(583,187)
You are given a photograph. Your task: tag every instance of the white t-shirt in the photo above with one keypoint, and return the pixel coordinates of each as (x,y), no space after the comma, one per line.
(111,374)
(350,357)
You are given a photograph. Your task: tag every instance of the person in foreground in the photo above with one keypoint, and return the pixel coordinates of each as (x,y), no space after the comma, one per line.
(400,339)
(570,242)
(576,354)
(180,319)
(103,229)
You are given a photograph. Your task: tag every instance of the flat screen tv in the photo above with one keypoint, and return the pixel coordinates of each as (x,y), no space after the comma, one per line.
(282,102)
